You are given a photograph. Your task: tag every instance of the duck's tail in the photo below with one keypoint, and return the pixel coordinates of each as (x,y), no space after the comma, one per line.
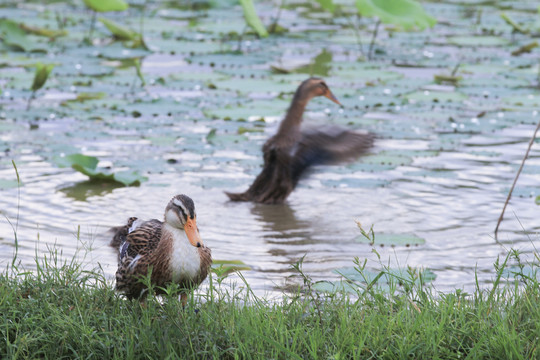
(120,234)
(238,196)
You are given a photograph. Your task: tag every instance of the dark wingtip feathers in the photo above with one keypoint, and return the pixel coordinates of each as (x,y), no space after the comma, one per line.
(237,196)
(120,234)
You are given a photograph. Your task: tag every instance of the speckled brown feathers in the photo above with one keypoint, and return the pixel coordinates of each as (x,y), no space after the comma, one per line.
(289,153)
(145,246)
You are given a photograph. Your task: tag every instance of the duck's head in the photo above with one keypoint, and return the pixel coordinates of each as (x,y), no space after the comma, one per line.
(313,87)
(180,213)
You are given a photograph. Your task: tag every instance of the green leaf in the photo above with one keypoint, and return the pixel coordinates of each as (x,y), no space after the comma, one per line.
(13,35)
(252,19)
(83,160)
(513,24)
(225,267)
(334,287)
(119,31)
(211,135)
(106,5)
(87,165)
(85,96)
(51,34)
(475,41)
(137,64)
(41,75)
(8,184)
(405,13)
(129,178)
(537,200)
(327,5)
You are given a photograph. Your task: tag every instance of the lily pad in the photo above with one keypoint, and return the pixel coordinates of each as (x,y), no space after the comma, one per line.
(356,280)
(478,41)
(106,5)
(405,13)
(13,35)
(435,96)
(87,166)
(333,287)
(529,100)
(9,184)
(515,272)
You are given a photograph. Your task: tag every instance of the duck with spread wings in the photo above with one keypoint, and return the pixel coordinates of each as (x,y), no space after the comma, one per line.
(290,152)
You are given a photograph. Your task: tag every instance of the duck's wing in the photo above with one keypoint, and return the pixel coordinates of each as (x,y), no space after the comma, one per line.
(142,239)
(134,254)
(328,145)
(121,233)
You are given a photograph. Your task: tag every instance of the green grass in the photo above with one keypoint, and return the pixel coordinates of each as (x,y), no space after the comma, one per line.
(63,311)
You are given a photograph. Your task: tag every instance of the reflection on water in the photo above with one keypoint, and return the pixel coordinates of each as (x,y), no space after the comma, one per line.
(81,191)
(280,224)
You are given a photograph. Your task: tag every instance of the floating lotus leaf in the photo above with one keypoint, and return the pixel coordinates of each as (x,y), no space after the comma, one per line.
(479,41)
(367,276)
(336,287)
(359,73)
(82,160)
(256,86)
(13,35)
(357,280)
(87,166)
(405,13)
(433,173)
(517,272)
(255,110)
(85,96)
(106,5)
(523,191)
(531,100)
(189,47)
(384,160)
(177,14)
(436,96)
(9,184)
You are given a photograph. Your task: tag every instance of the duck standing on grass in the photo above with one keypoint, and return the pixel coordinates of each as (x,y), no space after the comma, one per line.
(290,152)
(172,250)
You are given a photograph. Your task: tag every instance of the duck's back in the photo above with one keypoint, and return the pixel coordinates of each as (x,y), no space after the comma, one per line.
(135,253)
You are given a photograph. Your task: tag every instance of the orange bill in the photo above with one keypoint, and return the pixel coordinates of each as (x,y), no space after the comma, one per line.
(192,232)
(331,96)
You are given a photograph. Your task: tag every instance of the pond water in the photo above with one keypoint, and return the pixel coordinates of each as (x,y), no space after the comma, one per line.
(444,159)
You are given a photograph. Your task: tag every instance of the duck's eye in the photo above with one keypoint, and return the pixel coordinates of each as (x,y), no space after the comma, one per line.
(184,216)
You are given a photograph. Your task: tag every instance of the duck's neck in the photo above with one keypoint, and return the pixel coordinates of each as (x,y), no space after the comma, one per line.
(290,126)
